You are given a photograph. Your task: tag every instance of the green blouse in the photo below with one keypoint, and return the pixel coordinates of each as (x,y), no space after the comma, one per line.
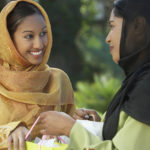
(131,135)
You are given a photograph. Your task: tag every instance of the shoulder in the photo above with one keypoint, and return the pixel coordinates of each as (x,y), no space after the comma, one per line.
(141,83)
(133,134)
(137,101)
(140,88)
(144,76)
(58,72)
(59,75)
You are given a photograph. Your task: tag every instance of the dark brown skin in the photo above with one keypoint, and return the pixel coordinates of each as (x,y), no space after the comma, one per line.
(86,114)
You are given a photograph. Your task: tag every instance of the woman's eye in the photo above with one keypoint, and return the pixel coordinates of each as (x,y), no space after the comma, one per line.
(111,26)
(30,36)
(43,33)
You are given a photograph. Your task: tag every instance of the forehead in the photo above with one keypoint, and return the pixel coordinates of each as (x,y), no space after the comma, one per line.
(33,21)
(112,16)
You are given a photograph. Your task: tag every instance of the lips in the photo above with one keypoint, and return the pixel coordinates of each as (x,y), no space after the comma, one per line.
(111,48)
(36,53)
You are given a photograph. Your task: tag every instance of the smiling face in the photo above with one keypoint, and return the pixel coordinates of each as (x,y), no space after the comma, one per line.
(114,36)
(30,38)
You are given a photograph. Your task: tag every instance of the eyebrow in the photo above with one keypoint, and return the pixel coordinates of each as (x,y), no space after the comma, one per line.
(32,31)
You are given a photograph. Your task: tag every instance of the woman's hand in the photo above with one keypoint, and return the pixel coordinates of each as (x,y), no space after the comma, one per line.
(86,114)
(17,137)
(56,123)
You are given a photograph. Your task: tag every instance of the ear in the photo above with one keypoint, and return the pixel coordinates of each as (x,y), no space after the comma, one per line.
(139,25)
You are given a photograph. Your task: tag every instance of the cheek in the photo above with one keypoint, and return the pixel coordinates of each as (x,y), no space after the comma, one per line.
(19,43)
(117,50)
(22,46)
(116,54)
(118,39)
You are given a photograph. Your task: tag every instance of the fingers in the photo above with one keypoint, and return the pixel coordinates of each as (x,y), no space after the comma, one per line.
(81,111)
(15,143)
(45,114)
(86,114)
(22,143)
(75,116)
(43,132)
(93,115)
(80,114)
(9,142)
(54,123)
(17,139)
(12,139)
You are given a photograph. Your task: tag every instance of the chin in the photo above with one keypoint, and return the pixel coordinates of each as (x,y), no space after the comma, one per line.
(36,62)
(115,60)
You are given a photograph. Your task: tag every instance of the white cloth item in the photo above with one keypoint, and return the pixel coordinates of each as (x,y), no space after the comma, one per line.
(65,139)
(93,127)
(47,143)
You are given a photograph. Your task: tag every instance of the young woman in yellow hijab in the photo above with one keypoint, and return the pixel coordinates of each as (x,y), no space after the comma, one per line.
(28,86)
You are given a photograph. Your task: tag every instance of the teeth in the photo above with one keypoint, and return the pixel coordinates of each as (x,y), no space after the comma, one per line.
(36,53)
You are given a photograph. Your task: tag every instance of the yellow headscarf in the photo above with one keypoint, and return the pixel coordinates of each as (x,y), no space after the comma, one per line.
(8,52)
(26,91)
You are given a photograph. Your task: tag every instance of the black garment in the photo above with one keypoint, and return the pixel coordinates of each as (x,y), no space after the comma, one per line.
(133,98)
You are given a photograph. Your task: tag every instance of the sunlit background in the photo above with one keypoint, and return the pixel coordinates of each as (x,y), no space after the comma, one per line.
(79,29)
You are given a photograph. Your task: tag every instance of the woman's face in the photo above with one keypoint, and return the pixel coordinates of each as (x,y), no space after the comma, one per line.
(114,36)
(30,38)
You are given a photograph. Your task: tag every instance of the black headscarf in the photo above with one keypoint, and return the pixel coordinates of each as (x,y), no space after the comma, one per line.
(134,94)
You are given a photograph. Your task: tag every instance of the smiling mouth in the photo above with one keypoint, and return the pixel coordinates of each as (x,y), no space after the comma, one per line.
(36,53)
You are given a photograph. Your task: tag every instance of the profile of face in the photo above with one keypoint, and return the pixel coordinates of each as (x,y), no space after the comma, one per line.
(30,38)
(114,36)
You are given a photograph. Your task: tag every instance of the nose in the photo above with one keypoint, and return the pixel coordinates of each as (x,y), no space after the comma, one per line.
(108,39)
(38,43)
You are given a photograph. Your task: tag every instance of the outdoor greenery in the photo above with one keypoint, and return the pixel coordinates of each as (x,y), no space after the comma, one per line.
(96,95)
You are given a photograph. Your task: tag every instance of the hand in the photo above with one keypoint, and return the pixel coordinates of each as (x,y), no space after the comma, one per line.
(56,123)
(86,114)
(17,137)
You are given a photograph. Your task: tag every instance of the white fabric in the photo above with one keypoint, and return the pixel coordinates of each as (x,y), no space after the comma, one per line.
(93,127)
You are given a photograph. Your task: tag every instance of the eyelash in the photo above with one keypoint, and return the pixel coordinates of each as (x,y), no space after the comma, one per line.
(30,36)
(44,33)
(111,26)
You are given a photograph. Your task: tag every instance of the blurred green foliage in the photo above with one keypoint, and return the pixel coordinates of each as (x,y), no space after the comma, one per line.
(96,95)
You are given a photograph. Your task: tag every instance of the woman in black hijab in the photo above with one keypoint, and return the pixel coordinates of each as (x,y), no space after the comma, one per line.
(127,120)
